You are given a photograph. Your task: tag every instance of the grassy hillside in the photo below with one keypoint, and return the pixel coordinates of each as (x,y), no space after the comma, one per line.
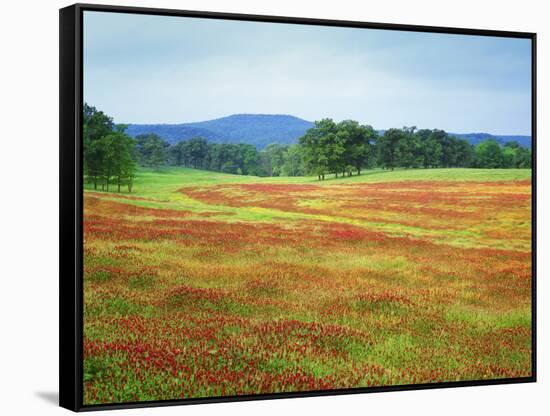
(173,188)
(152,181)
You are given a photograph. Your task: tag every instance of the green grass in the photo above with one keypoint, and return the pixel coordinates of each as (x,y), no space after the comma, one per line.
(161,183)
(515,318)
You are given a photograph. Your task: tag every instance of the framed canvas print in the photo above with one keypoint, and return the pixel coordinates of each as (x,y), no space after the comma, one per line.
(257,207)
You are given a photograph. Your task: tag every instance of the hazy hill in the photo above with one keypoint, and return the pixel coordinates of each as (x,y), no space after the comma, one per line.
(475,138)
(263,129)
(257,129)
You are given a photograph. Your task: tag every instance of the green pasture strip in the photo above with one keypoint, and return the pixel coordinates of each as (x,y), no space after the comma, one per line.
(159,183)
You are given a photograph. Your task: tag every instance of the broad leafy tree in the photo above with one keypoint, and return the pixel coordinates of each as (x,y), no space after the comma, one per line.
(488,154)
(108,151)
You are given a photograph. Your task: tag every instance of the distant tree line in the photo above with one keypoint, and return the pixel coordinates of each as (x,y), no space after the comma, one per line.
(239,158)
(344,148)
(347,147)
(109,153)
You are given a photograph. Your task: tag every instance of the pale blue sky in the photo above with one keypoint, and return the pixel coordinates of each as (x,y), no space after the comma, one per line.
(159,69)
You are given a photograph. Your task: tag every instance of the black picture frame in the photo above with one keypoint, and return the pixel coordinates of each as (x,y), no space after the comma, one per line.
(71,202)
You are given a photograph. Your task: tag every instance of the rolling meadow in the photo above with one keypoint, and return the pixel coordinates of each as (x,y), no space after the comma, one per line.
(204,284)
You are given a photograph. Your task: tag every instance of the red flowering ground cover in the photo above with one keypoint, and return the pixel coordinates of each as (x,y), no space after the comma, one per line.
(254,287)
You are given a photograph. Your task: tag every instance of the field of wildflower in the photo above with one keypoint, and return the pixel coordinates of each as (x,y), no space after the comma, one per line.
(201,284)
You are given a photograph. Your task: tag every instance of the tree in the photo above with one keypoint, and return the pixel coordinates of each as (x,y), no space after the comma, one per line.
(96,124)
(389,146)
(93,159)
(292,165)
(225,158)
(118,158)
(334,146)
(464,153)
(408,149)
(177,153)
(250,159)
(440,143)
(320,148)
(488,154)
(357,141)
(196,150)
(515,156)
(106,144)
(430,153)
(151,150)
(273,158)
(124,155)
(158,153)
(447,149)
(509,157)
(108,151)
(523,158)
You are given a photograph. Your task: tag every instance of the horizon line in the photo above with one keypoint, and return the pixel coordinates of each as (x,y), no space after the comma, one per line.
(308,121)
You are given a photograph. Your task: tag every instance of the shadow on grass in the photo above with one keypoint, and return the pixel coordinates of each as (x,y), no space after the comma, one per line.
(332,177)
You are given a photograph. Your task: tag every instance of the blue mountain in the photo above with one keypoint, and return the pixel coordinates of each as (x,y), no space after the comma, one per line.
(256,129)
(263,129)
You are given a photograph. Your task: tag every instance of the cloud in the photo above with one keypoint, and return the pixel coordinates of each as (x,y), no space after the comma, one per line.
(153,69)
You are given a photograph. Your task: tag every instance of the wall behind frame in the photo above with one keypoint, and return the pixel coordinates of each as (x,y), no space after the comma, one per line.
(29,209)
